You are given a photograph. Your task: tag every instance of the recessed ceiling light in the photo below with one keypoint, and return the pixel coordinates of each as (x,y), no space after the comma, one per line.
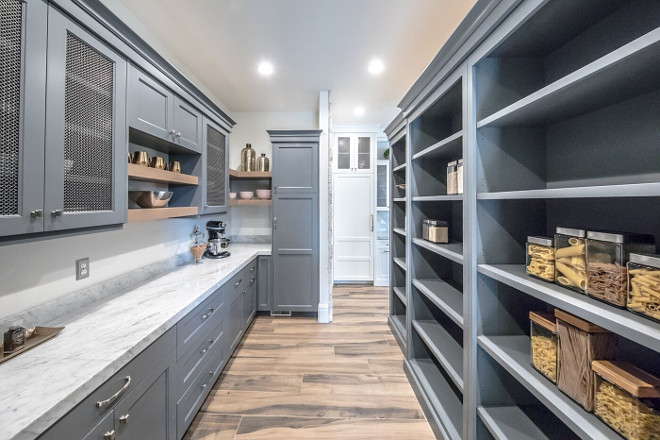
(376,66)
(265,68)
(358,111)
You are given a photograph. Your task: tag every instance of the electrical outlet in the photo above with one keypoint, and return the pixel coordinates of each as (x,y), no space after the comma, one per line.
(82,269)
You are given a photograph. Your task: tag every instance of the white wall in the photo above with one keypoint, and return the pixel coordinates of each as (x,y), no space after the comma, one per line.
(37,271)
(251,129)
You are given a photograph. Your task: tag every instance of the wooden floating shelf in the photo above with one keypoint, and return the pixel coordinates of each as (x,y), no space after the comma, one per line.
(250,174)
(251,202)
(146,214)
(148,174)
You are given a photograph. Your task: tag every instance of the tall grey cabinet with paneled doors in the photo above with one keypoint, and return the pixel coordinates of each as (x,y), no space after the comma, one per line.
(295,220)
(62,130)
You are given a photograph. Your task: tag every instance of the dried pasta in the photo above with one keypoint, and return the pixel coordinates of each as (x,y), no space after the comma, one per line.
(544,356)
(630,417)
(571,265)
(607,282)
(644,292)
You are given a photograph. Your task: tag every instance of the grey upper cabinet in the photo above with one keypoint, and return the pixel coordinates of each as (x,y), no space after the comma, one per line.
(150,105)
(295,220)
(86,139)
(215,178)
(22,115)
(157,111)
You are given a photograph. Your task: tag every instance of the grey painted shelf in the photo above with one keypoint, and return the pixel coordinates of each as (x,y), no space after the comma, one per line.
(448,407)
(452,251)
(401,263)
(513,353)
(446,350)
(399,231)
(443,150)
(399,324)
(399,199)
(399,168)
(527,423)
(624,73)
(401,294)
(444,296)
(440,198)
(651,189)
(631,326)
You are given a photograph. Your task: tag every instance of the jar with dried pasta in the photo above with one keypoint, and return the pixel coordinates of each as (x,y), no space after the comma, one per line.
(543,333)
(627,399)
(579,343)
(541,258)
(607,256)
(571,259)
(644,285)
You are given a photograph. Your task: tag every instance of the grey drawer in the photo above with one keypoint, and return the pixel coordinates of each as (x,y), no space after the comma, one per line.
(80,420)
(251,270)
(235,286)
(189,367)
(107,426)
(193,399)
(198,324)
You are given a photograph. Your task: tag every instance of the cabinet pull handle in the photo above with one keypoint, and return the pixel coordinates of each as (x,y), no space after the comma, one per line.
(244,292)
(206,315)
(238,283)
(110,435)
(204,385)
(57,213)
(274,222)
(208,346)
(178,134)
(173,132)
(252,269)
(36,213)
(252,281)
(124,418)
(371,223)
(102,403)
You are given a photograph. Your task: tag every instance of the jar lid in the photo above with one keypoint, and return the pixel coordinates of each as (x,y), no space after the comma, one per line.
(579,233)
(544,319)
(634,380)
(460,161)
(434,222)
(646,259)
(621,237)
(541,241)
(452,163)
(579,322)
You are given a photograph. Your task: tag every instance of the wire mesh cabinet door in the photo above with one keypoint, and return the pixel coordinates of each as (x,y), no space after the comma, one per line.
(215,178)
(22,120)
(86,138)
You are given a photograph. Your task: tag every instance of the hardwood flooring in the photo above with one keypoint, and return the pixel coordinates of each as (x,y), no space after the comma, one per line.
(293,378)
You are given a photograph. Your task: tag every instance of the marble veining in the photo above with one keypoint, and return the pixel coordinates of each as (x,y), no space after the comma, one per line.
(41,385)
(261,239)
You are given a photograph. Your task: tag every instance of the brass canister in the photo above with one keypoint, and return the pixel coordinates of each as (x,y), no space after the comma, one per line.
(158,162)
(263,164)
(248,156)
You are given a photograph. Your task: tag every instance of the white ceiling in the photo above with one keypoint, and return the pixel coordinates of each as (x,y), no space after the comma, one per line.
(314,45)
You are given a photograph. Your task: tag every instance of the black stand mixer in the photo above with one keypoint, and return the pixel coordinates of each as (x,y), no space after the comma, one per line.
(217,244)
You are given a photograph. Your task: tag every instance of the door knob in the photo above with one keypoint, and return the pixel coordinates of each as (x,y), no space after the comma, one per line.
(36,213)
(110,435)
(124,418)
(57,213)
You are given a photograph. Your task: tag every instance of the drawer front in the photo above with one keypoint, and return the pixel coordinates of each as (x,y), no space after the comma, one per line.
(193,399)
(235,286)
(190,366)
(103,430)
(80,420)
(198,324)
(251,270)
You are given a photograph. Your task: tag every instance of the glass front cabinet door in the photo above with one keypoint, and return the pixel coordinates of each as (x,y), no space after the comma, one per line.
(353,153)
(86,140)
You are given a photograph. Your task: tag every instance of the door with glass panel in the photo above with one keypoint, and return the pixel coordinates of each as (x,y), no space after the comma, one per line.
(22,110)
(381,261)
(86,139)
(353,153)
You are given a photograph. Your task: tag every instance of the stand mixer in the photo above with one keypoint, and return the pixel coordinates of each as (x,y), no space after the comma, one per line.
(217,243)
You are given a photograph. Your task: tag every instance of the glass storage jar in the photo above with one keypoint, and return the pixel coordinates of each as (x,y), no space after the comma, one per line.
(570,259)
(627,399)
(541,258)
(435,231)
(543,332)
(644,285)
(452,178)
(607,256)
(459,176)
(579,343)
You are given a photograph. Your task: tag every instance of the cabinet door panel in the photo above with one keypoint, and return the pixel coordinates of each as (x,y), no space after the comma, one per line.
(22,115)
(215,177)
(188,124)
(150,105)
(295,168)
(250,294)
(235,318)
(86,141)
(264,284)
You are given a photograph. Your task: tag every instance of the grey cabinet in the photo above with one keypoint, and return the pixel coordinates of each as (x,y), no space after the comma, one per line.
(250,293)
(86,139)
(295,220)
(22,115)
(215,178)
(157,111)
(264,283)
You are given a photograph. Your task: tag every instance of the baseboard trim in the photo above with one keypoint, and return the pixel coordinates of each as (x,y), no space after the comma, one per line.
(324,313)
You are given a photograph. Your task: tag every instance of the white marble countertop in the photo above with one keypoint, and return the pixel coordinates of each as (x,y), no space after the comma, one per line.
(40,386)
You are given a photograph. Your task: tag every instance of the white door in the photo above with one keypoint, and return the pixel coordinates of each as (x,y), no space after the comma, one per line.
(353,227)
(382,276)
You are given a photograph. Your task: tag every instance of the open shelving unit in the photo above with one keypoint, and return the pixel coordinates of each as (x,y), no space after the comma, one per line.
(555,112)
(249,181)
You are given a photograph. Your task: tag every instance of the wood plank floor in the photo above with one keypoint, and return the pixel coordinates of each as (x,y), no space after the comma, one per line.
(293,378)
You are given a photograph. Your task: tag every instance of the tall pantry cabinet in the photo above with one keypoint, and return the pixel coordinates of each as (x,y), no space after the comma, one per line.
(62,151)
